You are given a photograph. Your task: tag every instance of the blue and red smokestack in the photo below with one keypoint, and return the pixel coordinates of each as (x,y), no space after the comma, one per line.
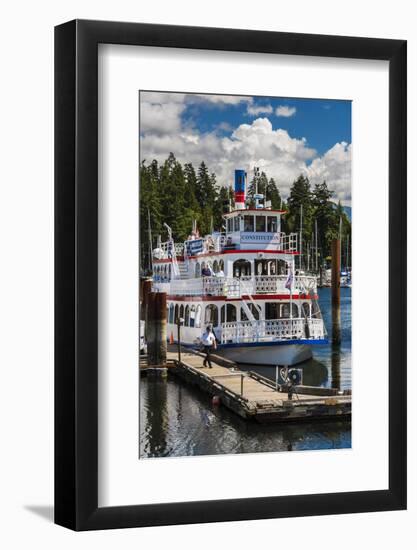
(240,178)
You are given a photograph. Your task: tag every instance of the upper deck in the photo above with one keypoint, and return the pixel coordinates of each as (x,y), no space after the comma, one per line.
(246,230)
(258,229)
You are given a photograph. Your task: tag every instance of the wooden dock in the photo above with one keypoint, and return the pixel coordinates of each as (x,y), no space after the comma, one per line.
(255,397)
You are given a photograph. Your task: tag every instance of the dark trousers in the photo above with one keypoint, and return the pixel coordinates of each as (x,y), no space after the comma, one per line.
(207,351)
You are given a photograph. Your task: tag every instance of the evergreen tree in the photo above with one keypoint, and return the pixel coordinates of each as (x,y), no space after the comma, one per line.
(176,195)
(300,204)
(259,185)
(224,199)
(273,195)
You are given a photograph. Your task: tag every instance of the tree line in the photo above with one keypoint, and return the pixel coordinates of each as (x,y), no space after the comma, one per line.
(178,194)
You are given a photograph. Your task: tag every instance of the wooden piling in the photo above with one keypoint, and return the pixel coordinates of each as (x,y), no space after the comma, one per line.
(335,272)
(336,335)
(161,328)
(145,289)
(157,328)
(150,328)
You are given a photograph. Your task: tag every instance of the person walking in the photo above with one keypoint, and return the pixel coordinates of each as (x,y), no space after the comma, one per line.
(208,340)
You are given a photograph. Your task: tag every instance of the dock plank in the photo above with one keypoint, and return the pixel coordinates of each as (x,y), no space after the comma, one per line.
(259,400)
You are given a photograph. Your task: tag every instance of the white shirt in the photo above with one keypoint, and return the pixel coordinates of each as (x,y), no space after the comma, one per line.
(208,339)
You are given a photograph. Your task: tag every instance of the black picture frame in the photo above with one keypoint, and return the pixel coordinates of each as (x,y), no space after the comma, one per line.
(76,272)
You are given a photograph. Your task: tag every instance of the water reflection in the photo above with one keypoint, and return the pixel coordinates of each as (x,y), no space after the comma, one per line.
(176,420)
(190,425)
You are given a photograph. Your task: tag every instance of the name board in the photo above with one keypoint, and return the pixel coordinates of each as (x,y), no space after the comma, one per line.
(260,238)
(194,247)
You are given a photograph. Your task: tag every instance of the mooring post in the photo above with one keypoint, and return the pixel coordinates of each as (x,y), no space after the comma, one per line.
(150,328)
(146,288)
(241,384)
(336,291)
(179,338)
(160,328)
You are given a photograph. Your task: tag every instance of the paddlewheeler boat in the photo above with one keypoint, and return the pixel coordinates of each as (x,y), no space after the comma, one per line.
(243,282)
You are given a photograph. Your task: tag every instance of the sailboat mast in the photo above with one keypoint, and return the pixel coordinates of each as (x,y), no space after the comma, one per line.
(150,241)
(317,258)
(340,239)
(347,251)
(301,236)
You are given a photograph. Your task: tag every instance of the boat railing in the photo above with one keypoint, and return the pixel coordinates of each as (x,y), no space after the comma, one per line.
(275,284)
(165,250)
(288,242)
(236,287)
(269,330)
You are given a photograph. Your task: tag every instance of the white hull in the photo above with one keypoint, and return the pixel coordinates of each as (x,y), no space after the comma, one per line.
(285,354)
(269,354)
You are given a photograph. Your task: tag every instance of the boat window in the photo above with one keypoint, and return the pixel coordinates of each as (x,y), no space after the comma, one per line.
(237,223)
(282,267)
(198,317)
(248,224)
(306,309)
(254,310)
(241,268)
(181,312)
(216,266)
(261,267)
(260,224)
(272,267)
(277,310)
(229,225)
(171,313)
(192,316)
(228,313)
(272,310)
(211,315)
(315,309)
(176,313)
(197,270)
(221,265)
(272,224)
(187,316)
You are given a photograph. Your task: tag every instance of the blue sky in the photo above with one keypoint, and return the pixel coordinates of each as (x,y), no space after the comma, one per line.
(322,122)
(285,137)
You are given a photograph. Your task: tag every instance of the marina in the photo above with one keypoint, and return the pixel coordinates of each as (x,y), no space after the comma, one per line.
(282,338)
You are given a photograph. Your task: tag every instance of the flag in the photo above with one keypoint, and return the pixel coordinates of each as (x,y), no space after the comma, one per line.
(290,279)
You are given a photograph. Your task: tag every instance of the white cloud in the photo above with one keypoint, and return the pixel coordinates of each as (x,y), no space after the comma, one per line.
(160,118)
(285,111)
(257,144)
(219,99)
(334,167)
(225,127)
(255,110)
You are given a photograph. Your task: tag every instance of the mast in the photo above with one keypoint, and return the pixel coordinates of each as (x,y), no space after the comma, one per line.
(340,238)
(347,251)
(150,240)
(301,237)
(317,259)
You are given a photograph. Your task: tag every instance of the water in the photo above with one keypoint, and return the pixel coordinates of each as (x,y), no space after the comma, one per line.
(176,420)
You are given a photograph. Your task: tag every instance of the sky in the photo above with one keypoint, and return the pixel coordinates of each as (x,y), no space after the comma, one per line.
(284,137)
